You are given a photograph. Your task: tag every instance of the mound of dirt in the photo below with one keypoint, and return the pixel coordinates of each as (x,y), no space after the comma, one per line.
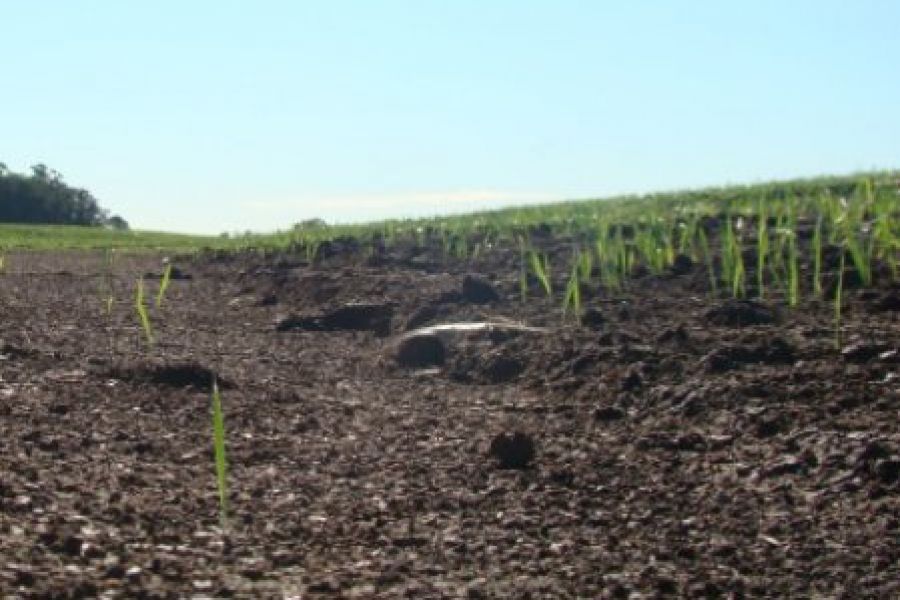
(350,317)
(175,375)
(741,313)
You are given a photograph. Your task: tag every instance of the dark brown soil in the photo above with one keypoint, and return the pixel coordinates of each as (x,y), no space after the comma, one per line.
(670,445)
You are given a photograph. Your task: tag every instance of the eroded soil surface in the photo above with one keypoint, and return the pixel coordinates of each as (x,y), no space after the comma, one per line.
(670,445)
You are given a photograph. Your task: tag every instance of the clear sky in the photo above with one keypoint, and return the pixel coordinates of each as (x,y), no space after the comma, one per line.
(210,116)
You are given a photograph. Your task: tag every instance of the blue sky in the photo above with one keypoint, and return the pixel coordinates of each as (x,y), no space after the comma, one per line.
(210,116)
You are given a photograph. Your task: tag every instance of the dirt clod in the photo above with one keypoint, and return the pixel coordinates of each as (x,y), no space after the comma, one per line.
(478,291)
(177,375)
(513,449)
(593,318)
(350,317)
(741,313)
(420,351)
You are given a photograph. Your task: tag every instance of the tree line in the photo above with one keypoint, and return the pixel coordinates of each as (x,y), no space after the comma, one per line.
(43,197)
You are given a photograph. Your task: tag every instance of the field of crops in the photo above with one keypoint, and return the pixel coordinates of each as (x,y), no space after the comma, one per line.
(680,395)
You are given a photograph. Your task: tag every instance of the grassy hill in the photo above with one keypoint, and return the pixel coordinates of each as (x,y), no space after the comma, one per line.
(581,217)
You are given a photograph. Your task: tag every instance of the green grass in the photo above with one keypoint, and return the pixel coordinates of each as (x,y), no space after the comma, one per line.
(70,237)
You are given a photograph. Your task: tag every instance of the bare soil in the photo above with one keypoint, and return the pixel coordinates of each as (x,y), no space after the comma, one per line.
(670,445)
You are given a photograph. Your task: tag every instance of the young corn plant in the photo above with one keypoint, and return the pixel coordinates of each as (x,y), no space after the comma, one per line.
(572,298)
(140,307)
(858,235)
(523,269)
(540,266)
(106,290)
(793,291)
(164,285)
(883,231)
(817,256)
(762,249)
(733,273)
(838,293)
(218,424)
(792,268)
(606,261)
(585,265)
(708,259)
(861,255)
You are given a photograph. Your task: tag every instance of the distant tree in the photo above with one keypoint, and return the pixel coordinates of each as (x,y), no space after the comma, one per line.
(118,223)
(44,197)
(309,224)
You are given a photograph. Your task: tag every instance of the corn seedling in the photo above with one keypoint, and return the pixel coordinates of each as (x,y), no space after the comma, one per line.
(218,423)
(708,259)
(793,272)
(838,293)
(860,256)
(792,289)
(164,284)
(762,249)
(817,256)
(106,290)
(572,297)
(140,307)
(540,266)
(585,266)
(733,273)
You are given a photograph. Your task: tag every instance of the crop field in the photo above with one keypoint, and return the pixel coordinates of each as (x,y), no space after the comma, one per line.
(693,394)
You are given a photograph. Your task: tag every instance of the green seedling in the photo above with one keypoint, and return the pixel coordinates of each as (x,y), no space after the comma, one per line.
(218,423)
(572,297)
(733,273)
(793,271)
(817,257)
(540,266)
(838,293)
(164,285)
(106,290)
(762,249)
(708,259)
(140,307)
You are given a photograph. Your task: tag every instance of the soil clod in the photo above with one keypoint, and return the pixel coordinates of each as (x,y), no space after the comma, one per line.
(421,351)
(350,317)
(593,318)
(513,449)
(741,313)
(176,375)
(478,291)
